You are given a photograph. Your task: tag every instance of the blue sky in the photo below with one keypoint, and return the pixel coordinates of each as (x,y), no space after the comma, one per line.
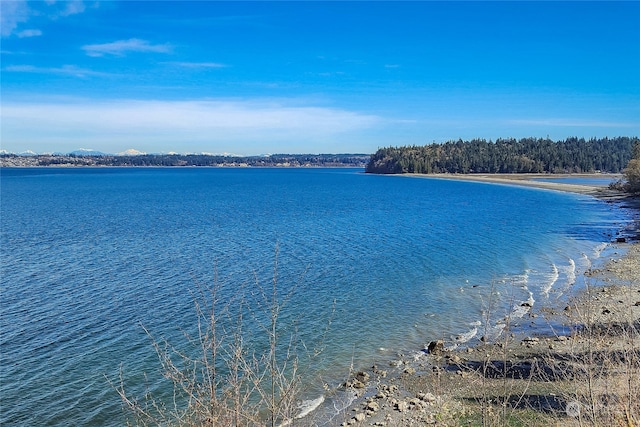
(313,77)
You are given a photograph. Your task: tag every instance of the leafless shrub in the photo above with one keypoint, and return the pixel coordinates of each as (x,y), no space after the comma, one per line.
(227,377)
(605,386)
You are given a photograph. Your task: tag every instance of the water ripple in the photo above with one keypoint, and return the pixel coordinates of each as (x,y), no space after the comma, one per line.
(405,261)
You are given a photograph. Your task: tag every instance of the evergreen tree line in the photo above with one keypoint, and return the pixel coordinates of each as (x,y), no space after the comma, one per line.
(527,155)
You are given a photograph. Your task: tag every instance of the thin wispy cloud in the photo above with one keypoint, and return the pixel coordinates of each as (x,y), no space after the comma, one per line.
(123,47)
(16,12)
(29,33)
(70,7)
(13,13)
(198,64)
(70,70)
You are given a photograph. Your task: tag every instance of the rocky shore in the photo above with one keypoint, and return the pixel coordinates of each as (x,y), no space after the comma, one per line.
(585,373)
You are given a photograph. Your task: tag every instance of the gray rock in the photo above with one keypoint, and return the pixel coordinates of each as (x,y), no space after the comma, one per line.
(426,397)
(357,384)
(372,406)
(435,347)
(362,376)
(401,406)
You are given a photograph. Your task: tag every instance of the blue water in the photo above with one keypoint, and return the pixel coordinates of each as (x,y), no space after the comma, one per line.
(602,181)
(89,256)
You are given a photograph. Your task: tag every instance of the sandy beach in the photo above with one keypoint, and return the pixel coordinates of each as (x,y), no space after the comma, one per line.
(585,374)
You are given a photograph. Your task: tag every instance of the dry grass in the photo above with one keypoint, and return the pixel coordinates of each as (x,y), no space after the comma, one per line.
(591,378)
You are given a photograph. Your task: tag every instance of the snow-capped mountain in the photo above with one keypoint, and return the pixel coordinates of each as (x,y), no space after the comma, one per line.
(131,152)
(28,153)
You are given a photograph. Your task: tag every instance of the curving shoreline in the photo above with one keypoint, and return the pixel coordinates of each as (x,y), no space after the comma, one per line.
(440,386)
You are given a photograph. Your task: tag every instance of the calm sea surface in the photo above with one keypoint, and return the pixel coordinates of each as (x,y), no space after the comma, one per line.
(91,255)
(602,181)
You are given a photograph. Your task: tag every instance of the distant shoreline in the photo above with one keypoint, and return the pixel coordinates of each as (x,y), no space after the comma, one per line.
(187,160)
